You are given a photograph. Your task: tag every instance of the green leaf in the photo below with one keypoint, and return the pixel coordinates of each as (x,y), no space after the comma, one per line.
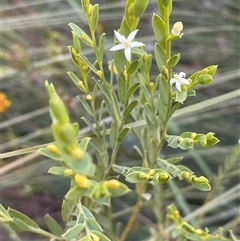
(86,211)
(173,61)
(76,42)
(113,133)
(53,225)
(85,104)
(101,46)
(90,125)
(159,29)
(212,69)
(66,210)
(194,236)
(100,235)
(129,108)
(124,27)
(24,218)
(94,17)
(47,153)
(93,224)
(139,7)
(122,88)
(84,143)
(3,211)
(160,56)
(88,63)
(75,79)
(73,232)
(81,34)
(18,225)
(163,89)
(85,166)
(174,108)
(122,134)
(202,186)
(132,89)
(120,60)
(75,192)
(56,170)
(173,37)
(174,159)
(121,190)
(133,177)
(181,96)
(205,79)
(134,66)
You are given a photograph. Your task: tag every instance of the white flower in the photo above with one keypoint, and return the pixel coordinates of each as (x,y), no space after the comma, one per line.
(178,80)
(126,43)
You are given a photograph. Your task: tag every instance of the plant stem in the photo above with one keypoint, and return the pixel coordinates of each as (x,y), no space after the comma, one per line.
(134,214)
(45,233)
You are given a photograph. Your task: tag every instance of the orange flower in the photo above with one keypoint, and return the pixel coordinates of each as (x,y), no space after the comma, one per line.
(4,102)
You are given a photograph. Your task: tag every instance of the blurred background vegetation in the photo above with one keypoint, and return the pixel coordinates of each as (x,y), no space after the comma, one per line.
(35,36)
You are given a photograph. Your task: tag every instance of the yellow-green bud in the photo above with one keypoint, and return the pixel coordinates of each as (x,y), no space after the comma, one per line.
(152,172)
(142,175)
(81,180)
(81,85)
(89,97)
(67,172)
(193,135)
(99,73)
(53,149)
(112,184)
(94,237)
(77,153)
(199,231)
(90,9)
(114,69)
(202,179)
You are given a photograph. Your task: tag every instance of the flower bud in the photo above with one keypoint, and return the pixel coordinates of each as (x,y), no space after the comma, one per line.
(77,153)
(152,172)
(81,86)
(67,172)
(177,28)
(53,149)
(89,97)
(112,184)
(99,73)
(142,175)
(81,180)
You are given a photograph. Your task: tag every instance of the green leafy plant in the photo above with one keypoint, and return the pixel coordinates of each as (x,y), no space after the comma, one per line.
(140,105)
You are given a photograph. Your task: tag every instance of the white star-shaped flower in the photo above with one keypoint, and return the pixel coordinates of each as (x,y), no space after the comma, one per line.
(126,43)
(178,80)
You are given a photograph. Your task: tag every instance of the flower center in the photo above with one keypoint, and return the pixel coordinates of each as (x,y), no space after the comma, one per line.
(127,44)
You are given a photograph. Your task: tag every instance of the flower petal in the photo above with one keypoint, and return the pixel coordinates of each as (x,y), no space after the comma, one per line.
(182,75)
(185,81)
(178,86)
(127,53)
(136,44)
(117,47)
(132,35)
(120,37)
(172,81)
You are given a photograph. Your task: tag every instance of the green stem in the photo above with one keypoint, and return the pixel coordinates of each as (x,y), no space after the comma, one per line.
(45,233)
(134,214)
